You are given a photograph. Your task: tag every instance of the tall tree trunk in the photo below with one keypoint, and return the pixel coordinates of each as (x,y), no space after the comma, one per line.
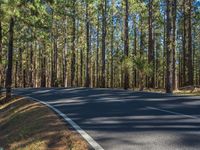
(169,49)
(87,77)
(1,65)
(73,57)
(55,62)
(184,43)
(103,48)
(65,63)
(10,59)
(112,46)
(20,67)
(189,48)
(52,64)
(35,66)
(43,69)
(151,44)
(31,66)
(81,67)
(141,36)
(134,54)
(174,45)
(164,51)
(126,44)
(187,44)
(54,55)
(180,71)
(24,78)
(16,73)
(195,62)
(65,54)
(97,54)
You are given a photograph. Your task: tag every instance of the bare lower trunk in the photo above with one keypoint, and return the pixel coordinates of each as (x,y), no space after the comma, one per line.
(174,46)
(151,44)
(1,66)
(126,44)
(103,48)
(31,67)
(169,43)
(97,56)
(10,59)
(87,77)
(73,57)
(189,48)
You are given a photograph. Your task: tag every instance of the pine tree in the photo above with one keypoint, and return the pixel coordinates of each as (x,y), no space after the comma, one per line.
(126,44)
(8,83)
(169,49)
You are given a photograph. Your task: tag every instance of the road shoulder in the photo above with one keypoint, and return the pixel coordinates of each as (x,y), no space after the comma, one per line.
(28,124)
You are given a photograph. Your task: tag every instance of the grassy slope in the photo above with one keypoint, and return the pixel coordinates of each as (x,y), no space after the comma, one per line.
(25,124)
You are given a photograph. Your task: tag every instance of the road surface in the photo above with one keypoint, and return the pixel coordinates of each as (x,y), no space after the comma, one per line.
(125,120)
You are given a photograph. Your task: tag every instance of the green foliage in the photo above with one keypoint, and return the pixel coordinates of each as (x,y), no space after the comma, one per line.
(50,22)
(141,64)
(127,63)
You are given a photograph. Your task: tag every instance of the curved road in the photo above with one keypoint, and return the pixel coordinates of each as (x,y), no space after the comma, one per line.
(125,120)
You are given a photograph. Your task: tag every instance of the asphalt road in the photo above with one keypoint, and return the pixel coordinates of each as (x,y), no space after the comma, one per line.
(125,120)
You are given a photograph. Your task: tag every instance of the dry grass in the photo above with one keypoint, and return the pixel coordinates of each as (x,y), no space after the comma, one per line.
(189,90)
(27,125)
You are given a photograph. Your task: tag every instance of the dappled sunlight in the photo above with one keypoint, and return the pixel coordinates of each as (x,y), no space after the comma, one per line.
(43,91)
(27,124)
(116,116)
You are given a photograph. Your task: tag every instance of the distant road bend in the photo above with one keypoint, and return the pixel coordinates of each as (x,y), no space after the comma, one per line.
(125,120)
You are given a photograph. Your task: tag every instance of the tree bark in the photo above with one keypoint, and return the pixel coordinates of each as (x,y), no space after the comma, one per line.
(54,56)
(97,54)
(103,48)
(55,62)
(64,74)
(16,73)
(73,57)
(151,44)
(87,77)
(190,48)
(134,54)
(43,70)
(31,66)
(1,66)
(141,36)
(184,43)
(164,51)
(126,44)
(20,67)
(10,59)
(169,50)
(174,7)
(81,67)
(112,47)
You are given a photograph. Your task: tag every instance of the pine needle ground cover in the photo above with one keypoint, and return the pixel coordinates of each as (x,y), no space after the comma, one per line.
(28,125)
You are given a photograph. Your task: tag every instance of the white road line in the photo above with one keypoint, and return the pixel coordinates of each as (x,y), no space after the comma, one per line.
(86,136)
(172,112)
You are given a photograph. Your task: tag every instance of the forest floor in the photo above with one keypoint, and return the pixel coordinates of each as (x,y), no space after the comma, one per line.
(188,90)
(26,124)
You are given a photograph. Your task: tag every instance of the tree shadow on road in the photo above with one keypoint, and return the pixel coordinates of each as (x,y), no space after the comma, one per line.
(118,112)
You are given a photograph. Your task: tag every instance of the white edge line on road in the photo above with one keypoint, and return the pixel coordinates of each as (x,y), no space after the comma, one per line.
(175,113)
(86,136)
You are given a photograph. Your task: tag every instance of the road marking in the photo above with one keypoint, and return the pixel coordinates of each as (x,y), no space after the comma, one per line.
(86,136)
(172,112)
